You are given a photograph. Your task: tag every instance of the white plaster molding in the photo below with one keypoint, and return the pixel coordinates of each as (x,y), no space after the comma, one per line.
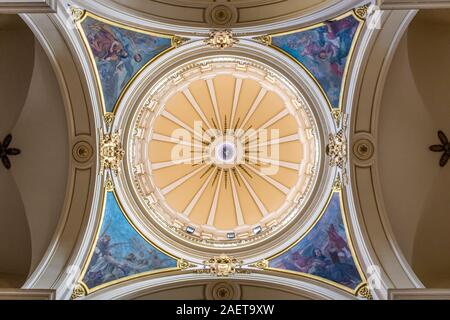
(24,294)
(413,4)
(30,6)
(419,294)
(303,287)
(375,240)
(79,216)
(108,9)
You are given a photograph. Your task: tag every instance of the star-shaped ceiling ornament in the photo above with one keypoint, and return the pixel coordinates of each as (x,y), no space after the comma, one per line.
(444,147)
(6,151)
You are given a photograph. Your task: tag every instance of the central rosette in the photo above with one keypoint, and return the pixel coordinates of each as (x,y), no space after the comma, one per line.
(226,152)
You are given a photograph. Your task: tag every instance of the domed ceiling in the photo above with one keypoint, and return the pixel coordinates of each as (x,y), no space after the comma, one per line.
(221,153)
(213,152)
(226,152)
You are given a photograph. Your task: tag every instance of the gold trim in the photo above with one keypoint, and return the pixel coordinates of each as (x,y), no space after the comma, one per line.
(361,12)
(263,264)
(79,291)
(221,39)
(267,40)
(350,244)
(109,184)
(111,152)
(109,118)
(178,41)
(78,23)
(132,277)
(184,264)
(77,13)
(365,293)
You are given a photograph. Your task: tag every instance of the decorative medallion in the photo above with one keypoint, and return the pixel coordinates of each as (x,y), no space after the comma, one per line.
(111,152)
(363,149)
(221,14)
(82,152)
(223,291)
(221,39)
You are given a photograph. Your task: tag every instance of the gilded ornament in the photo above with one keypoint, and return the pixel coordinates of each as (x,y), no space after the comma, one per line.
(111,152)
(178,41)
(184,265)
(337,184)
(78,292)
(109,118)
(266,40)
(221,39)
(337,116)
(77,13)
(361,12)
(263,264)
(364,292)
(337,150)
(223,266)
(109,185)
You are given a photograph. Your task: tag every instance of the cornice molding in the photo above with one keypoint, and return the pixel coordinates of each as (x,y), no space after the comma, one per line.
(323,12)
(419,294)
(302,287)
(24,294)
(31,6)
(413,4)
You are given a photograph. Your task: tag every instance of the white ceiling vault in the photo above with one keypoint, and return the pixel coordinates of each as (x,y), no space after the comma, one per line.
(136,224)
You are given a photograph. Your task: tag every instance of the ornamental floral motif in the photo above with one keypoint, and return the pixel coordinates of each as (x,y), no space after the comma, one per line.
(111,152)
(78,292)
(221,39)
(77,13)
(223,266)
(6,151)
(362,12)
(444,147)
(337,150)
(365,293)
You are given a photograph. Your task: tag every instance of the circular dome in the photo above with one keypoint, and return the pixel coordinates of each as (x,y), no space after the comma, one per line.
(224,152)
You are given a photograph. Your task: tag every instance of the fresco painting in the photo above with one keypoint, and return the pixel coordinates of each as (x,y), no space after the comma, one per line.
(324,252)
(324,51)
(121,251)
(119,54)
